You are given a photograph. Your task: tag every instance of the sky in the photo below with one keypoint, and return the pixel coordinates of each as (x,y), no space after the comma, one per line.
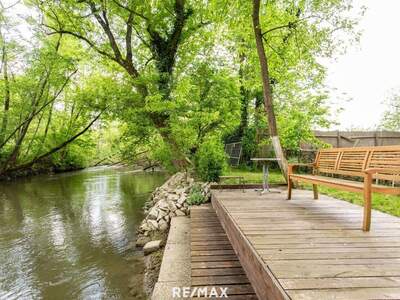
(369,71)
(366,74)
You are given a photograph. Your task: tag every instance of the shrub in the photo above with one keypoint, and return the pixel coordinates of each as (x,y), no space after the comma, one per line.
(196,196)
(210,160)
(249,144)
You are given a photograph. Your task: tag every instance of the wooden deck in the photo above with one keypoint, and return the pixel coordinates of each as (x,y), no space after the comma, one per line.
(311,249)
(213,261)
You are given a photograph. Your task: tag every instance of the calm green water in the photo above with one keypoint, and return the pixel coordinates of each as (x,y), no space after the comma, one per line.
(66,236)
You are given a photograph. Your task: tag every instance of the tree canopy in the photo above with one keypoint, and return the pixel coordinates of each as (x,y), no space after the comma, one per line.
(115,79)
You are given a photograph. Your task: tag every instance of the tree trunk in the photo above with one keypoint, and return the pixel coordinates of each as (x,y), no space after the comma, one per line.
(268,103)
(4,122)
(244,99)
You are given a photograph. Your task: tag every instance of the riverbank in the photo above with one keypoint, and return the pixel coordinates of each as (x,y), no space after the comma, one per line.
(41,170)
(44,169)
(170,200)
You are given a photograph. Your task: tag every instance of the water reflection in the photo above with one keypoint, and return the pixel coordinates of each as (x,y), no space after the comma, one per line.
(65,236)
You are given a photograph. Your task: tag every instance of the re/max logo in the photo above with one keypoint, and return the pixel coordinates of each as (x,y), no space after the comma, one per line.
(207,292)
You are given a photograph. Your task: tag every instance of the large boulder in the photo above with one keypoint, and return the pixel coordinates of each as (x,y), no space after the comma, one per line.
(151,247)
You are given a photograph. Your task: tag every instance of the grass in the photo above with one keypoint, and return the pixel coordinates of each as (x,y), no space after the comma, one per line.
(385,203)
(251,176)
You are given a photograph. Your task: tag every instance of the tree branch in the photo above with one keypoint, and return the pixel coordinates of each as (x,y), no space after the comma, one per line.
(59,147)
(104,23)
(81,37)
(130,10)
(128,37)
(289,24)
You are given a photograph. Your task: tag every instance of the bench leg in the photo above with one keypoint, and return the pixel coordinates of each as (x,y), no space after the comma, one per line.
(290,186)
(315,190)
(367,202)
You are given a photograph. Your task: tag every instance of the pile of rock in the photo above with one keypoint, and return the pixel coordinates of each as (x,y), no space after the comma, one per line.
(166,202)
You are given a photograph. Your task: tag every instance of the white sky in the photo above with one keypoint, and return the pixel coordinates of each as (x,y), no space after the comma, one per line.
(367,73)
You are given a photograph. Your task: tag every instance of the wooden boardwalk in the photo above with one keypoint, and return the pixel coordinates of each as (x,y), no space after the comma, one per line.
(311,249)
(213,261)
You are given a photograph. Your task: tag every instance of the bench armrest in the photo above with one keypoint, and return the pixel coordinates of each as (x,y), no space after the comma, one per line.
(382,170)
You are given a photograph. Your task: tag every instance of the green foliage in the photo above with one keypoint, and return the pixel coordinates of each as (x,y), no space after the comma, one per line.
(196,196)
(170,77)
(163,153)
(211,160)
(391,117)
(249,143)
(298,117)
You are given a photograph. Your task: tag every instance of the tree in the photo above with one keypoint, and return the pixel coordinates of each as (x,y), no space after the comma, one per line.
(391,116)
(267,94)
(291,37)
(143,38)
(172,74)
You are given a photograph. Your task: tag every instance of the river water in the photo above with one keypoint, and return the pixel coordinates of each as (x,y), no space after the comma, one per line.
(67,236)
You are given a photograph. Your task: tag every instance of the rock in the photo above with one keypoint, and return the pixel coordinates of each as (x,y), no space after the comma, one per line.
(161,214)
(179,191)
(171,206)
(172,214)
(151,247)
(167,218)
(153,214)
(163,205)
(162,225)
(180,213)
(173,197)
(144,227)
(142,240)
(153,224)
(182,199)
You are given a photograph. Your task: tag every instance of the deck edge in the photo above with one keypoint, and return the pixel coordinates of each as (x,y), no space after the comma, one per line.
(262,279)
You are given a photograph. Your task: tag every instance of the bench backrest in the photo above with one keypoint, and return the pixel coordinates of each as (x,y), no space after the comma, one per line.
(353,161)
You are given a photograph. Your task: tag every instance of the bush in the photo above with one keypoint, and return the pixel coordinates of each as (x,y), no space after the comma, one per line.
(196,196)
(210,160)
(249,144)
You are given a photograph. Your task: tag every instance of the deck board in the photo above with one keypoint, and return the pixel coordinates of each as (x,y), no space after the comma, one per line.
(213,260)
(311,249)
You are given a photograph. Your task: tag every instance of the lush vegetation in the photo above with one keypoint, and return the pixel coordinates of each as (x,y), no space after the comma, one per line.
(196,196)
(166,82)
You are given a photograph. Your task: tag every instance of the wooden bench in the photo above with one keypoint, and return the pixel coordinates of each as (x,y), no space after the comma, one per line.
(365,163)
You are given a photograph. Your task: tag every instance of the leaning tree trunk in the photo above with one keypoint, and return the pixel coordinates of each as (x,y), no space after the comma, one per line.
(269,107)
